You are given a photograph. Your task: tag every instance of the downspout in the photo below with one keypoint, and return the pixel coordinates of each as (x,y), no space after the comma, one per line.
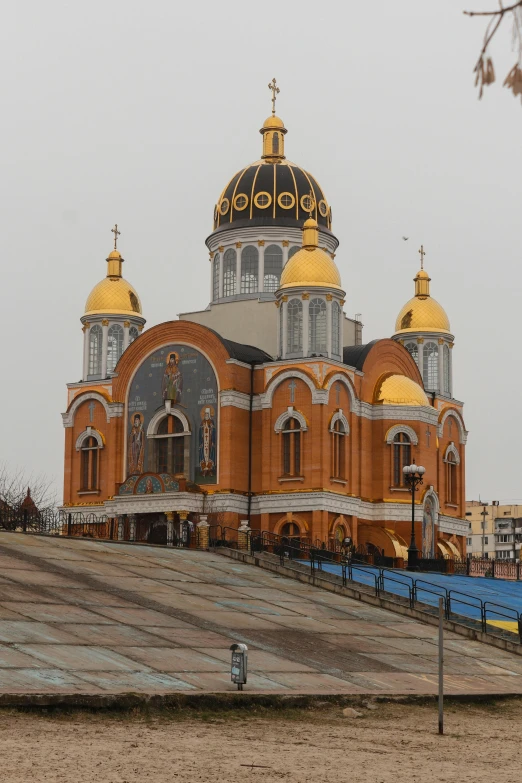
(252,365)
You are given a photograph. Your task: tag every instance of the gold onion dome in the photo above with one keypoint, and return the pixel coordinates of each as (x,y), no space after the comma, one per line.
(113,294)
(422,313)
(399,390)
(311,266)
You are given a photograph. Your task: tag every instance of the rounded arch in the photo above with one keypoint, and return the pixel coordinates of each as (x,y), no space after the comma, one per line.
(283,376)
(290,413)
(80,399)
(89,433)
(301,523)
(341,522)
(434,498)
(392,544)
(452,449)
(158,417)
(455,414)
(397,428)
(339,416)
(339,376)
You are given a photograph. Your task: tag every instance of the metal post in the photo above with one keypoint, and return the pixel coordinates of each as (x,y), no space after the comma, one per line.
(413,552)
(441,666)
(24,525)
(69,524)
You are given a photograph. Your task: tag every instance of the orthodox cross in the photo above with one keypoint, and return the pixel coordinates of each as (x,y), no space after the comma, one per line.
(275,90)
(422,254)
(428,435)
(116,235)
(92,406)
(450,426)
(337,392)
(292,386)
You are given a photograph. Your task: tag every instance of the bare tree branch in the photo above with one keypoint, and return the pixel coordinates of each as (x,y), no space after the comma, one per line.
(485,72)
(14,484)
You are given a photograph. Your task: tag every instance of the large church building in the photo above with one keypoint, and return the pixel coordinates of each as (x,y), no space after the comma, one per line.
(266,408)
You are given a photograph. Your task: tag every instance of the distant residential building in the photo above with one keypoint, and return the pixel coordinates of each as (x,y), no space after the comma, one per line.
(494,530)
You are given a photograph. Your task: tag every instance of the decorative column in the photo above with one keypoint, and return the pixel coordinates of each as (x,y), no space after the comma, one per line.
(132,527)
(121,528)
(420,347)
(284,324)
(86,330)
(105,342)
(203,532)
(221,262)
(170,528)
(285,252)
(306,314)
(126,326)
(261,267)
(183,527)
(329,325)
(238,267)
(243,536)
(441,366)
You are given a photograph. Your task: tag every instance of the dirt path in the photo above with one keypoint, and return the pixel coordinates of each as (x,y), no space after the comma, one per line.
(392,743)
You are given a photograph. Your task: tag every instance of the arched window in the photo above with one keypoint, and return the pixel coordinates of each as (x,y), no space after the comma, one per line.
(249,262)
(291,434)
(170,446)
(446,362)
(293,250)
(317,326)
(114,346)
(215,278)
(430,372)
(229,272)
(89,465)
(413,350)
(133,334)
(275,144)
(95,350)
(336,317)
(451,479)
(273,268)
(401,458)
(338,450)
(290,530)
(294,335)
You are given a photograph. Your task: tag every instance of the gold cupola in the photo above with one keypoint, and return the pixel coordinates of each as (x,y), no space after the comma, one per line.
(113,295)
(311,267)
(399,390)
(422,313)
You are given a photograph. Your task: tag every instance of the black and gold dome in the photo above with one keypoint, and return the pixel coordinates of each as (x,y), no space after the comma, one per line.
(272,191)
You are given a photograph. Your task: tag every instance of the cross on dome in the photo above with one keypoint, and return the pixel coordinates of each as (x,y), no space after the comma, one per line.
(116,235)
(422,254)
(275,90)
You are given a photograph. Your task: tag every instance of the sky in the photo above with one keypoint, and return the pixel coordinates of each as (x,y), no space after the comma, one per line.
(139,113)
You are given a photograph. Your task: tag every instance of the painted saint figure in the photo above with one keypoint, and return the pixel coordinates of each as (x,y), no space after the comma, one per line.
(136,445)
(428,528)
(207,443)
(172,383)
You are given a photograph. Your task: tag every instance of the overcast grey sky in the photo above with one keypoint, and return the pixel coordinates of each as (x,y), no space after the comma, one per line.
(139,113)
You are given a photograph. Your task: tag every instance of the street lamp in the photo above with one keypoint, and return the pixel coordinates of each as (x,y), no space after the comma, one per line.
(413,476)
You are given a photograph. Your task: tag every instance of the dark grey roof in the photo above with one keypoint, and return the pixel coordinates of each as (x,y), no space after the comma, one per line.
(355,355)
(243,353)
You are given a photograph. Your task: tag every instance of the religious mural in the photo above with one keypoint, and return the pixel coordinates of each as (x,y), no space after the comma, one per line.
(428,528)
(174,379)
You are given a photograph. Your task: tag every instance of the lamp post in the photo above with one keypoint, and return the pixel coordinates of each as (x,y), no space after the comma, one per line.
(413,476)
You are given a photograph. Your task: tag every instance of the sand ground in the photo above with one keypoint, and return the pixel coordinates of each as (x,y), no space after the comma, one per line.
(395,742)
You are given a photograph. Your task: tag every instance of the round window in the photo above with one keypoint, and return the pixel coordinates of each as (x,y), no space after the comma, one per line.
(240,202)
(286,200)
(323,208)
(224,205)
(263,200)
(307,203)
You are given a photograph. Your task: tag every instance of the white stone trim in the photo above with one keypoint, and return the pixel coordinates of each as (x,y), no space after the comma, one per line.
(266,398)
(154,423)
(409,431)
(452,449)
(293,414)
(68,417)
(343,379)
(339,416)
(90,432)
(453,525)
(237,399)
(462,431)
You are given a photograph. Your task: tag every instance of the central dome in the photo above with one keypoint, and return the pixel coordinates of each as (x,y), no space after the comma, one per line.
(271,191)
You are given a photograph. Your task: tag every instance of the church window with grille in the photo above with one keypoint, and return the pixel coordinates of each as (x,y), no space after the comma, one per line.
(317,326)
(275,144)
(295,326)
(89,465)
(338,450)
(413,350)
(215,277)
(229,272)
(249,264)
(133,334)
(95,350)
(446,361)
(401,458)
(273,267)
(170,446)
(293,250)
(114,346)
(291,434)
(430,373)
(451,479)
(336,318)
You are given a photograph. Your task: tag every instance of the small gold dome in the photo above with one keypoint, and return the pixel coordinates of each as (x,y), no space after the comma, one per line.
(311,266)
(422,313)
(113,295)
(273,122)
(399,390)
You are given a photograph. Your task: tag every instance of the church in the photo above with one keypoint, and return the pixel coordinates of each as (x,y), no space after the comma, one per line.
(266,410)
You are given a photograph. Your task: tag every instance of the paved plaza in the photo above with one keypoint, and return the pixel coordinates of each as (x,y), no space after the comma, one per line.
(92,617)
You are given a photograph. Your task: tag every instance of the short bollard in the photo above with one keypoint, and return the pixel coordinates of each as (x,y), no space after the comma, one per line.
(238,673)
